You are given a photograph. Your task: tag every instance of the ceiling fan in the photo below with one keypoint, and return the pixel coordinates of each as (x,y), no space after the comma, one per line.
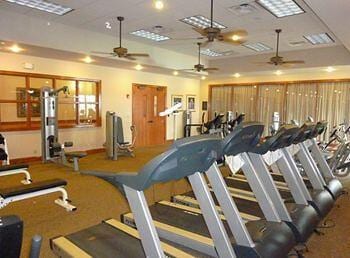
(236,37)
(200,67)
(278,60)
(120,51)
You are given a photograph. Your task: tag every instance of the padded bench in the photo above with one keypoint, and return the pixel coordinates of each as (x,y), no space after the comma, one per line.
(18,193)
(74,157)
(16,169)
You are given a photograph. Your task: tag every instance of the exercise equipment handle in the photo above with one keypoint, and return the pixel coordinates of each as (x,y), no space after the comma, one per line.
(36,246)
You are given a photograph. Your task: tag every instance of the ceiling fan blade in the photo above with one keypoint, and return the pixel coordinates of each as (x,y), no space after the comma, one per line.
(187,70)
(294,62)
(129,58)
(200,31)
(206,43)
(210,69)
(197,38)
(138,54)
(102,53)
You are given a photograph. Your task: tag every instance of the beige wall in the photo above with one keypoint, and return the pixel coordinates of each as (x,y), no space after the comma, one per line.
(116,85)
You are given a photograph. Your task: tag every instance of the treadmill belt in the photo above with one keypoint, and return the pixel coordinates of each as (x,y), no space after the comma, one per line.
(104,241)
(245,186)
(243,205)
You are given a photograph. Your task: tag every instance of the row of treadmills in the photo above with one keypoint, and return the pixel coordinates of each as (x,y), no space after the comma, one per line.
(251,213)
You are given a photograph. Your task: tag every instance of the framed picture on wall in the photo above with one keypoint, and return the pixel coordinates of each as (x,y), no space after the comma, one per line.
(175,99)
(191,102)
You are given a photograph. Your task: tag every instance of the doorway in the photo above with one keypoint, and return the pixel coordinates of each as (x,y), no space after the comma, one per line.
(147,102)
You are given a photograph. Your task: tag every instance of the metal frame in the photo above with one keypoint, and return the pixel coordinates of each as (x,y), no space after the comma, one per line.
(215,226)
(144,223)
(322,163)
(26,181)
(63,201)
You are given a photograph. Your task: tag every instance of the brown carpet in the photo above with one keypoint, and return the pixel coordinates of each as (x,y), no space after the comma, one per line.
(97,200)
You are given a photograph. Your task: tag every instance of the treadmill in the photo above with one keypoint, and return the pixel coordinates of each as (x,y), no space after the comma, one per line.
(318,197)
(112,238)
(300,216)
(187,225)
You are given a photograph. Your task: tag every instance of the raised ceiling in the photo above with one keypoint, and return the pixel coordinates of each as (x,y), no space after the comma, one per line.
(260,24)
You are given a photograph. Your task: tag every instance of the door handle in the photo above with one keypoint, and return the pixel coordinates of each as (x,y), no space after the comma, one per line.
(150,121)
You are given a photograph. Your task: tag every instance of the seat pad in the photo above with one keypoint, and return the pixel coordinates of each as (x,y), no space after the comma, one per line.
(13,167)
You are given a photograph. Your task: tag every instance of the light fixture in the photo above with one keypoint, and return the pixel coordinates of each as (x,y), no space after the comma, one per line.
(2,43)
(203,77)
(258,47)
(138,67)
(175,73)
(237,75)
(317,39)
(158,4)
(149,35)
(236,37)
(330,69)
(15,48)
(202,22)
(281,8)
(278,72)
(43,6)
(88,60)
(209,52)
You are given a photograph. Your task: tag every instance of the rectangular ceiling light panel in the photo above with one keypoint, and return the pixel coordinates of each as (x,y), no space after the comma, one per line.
(149,35)
(281,8)
(211,53)
(201,22)
(258,47)
(318,39)
(43,6)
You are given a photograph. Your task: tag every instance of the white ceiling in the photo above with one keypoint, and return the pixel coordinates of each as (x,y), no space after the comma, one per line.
(140,14)
(91,15)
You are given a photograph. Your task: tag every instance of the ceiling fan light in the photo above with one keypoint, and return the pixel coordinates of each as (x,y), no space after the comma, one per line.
(236,37)
(175,73)
(203,77)
(278,72)
(138,67)
(159,4)
(88,60)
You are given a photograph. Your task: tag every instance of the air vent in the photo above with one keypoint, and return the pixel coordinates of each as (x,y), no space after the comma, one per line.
(297,43)
(243,9)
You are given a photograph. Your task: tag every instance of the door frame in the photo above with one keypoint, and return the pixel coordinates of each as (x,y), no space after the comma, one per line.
(166,103)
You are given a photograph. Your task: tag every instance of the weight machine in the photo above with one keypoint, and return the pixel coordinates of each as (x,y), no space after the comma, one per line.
(52,150)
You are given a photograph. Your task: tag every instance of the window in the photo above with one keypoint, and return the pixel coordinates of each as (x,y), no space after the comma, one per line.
(20,101)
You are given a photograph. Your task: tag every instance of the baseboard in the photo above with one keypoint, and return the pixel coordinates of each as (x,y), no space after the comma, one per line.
(27,160)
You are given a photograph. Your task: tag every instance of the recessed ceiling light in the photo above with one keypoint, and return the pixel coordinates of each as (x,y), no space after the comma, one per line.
(281,8)
(330,69)
(15,48)
(237,75)
(2,43)
(258,47)
(175,73)
(236,37)
(202,22)
(203,77)
(138,67)
(278,72)
(209,52)
(317,39)
(43,6)
(88,60)
(149,35)
(158,4)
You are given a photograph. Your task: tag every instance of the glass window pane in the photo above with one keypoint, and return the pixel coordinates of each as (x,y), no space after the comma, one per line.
(67,113)
(13,116)
(35,84)
(66,98)
(87,91)
(87,113)
(12,87)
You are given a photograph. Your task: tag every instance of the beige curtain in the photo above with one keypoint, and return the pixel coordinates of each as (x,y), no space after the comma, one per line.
(270,100)
(244,101)
(221,99)
(301,101)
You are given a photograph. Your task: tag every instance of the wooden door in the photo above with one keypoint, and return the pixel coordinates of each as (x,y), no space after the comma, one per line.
(147,102)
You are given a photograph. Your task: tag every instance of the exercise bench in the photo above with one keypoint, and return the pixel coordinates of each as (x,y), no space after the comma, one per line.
(16,169)
(74,157)
(18,193)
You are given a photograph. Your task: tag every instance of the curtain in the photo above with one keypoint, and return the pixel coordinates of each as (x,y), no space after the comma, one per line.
(221,99)
(301,101)
(270,100)
(244,101)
